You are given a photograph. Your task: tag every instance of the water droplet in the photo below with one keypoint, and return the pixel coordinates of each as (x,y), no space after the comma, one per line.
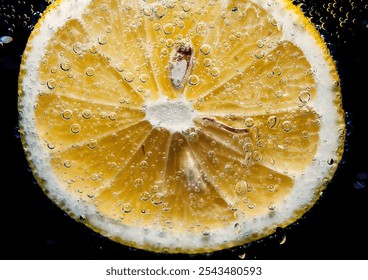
(129,77)
(75,128)
(168,28)
(67,114)
(102,39)
(193,80)
(127,207)
(90,71)
(87,114)
(287,126)
(205,49)
(138,182)
(215,71)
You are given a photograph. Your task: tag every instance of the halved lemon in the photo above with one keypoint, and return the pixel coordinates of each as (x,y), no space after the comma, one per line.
(180,126)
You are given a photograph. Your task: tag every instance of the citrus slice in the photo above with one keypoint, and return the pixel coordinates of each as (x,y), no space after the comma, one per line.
(180,126)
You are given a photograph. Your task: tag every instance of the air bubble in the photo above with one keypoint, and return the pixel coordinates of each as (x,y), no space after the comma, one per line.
(272,121)
(67,114)
(330,161)
(306,134)
(120,67)
(206,231)
(249,122)
(215,71)
(51,84)
(102,39)
(77,48)
(87,114)
(259,54)
(241,188)
(156,199)
(138,182)
(75,128)
(156,26)
(168,28)
(143,165)
(128,77)
(67,164)
(304,96)
(160,11)
(207,62)
(143,78)
(287,126)
(193,136)
(127,207)
(166,207)
(169,43)
(51,145)
(193,80)
(65,65)
(237,228)
(145,196)
(205,49)
(113,116)
(92,144)
(90,71)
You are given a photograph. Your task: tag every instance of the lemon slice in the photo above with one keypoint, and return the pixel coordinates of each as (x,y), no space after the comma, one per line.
(180,126)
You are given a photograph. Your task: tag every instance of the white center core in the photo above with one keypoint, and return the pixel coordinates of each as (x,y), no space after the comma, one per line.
(175,115)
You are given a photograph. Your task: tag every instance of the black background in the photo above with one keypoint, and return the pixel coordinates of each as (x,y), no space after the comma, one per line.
(32,227)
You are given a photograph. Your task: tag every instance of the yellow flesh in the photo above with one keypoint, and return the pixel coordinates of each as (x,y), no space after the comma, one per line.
(143,175)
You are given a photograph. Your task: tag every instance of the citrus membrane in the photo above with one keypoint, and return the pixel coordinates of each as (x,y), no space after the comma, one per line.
(180,126)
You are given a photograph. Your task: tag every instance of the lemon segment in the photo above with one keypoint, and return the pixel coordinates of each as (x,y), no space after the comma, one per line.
(180,126)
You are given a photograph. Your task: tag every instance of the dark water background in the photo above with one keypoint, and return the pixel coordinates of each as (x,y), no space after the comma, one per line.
(32,227)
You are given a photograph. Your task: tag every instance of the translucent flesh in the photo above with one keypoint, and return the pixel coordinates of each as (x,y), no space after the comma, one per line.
(255,128)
